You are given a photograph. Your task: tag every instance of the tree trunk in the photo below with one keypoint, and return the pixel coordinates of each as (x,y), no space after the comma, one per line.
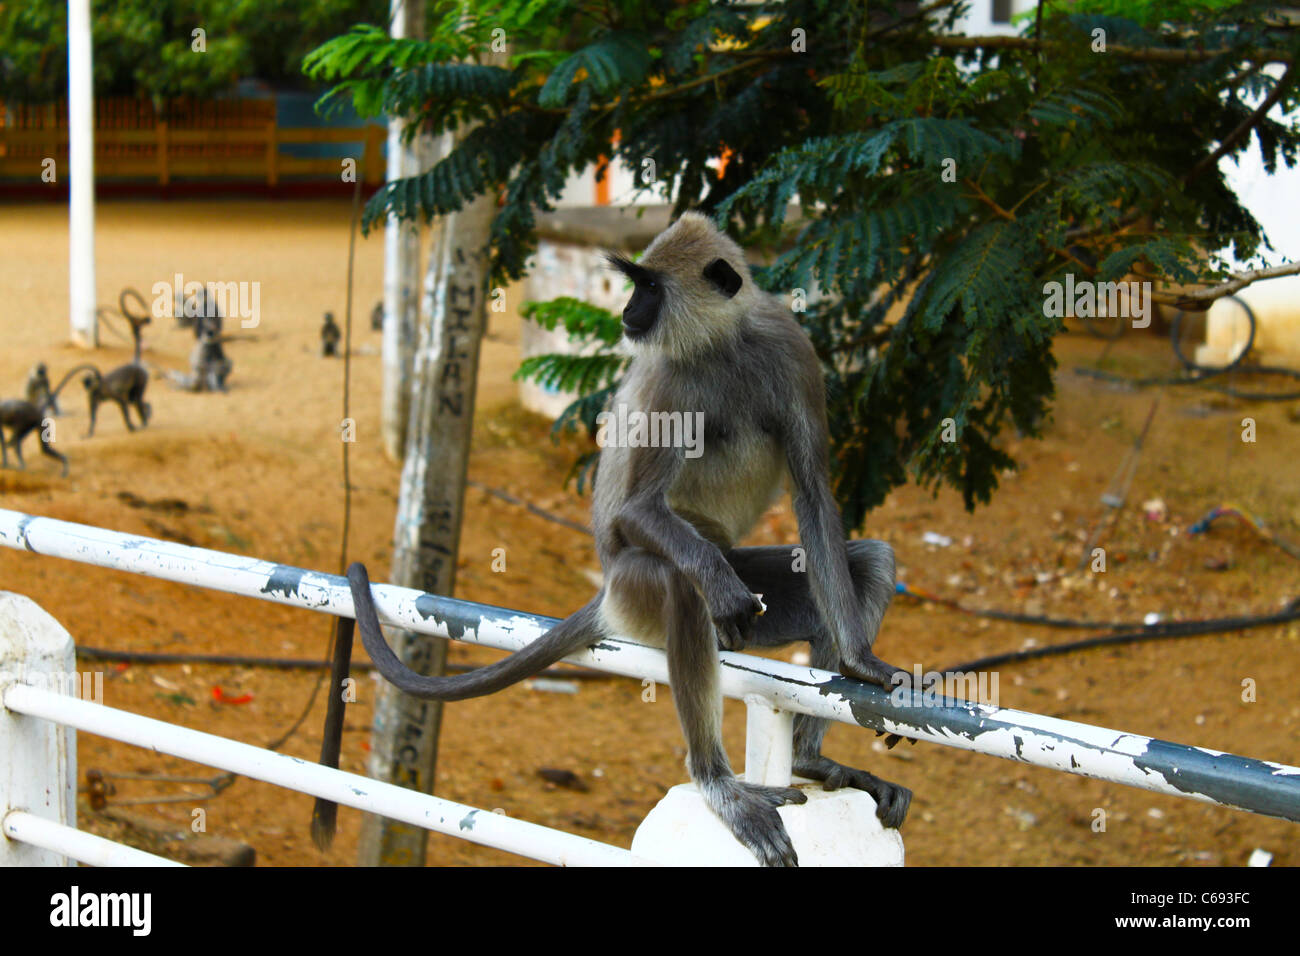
(426,535)
(401,262)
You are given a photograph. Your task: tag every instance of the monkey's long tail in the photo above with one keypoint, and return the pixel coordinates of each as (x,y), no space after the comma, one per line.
(54,392)
(578,630)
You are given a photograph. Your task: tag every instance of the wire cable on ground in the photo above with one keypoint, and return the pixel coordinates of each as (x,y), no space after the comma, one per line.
(1166,629)
(532,508)
(1203,381)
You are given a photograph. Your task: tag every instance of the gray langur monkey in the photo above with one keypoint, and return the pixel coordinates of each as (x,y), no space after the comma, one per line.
(330,334)
(22,417)
(38,387)
(209,366)
(200,312)
(124,385)
(705,339)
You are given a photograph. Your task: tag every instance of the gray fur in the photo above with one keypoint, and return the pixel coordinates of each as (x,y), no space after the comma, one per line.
(124,385)
(38,388)
(209,365)
(24,417)
(330,335)
(666,524)
(21,418)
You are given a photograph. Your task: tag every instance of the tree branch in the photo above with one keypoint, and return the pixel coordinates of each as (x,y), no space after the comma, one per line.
(1239,281)
(1248,124)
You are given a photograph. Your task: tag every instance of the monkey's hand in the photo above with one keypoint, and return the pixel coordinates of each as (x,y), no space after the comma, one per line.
(733,609)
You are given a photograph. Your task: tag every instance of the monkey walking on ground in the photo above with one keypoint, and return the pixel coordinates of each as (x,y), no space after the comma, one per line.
(705,340)
(22,417)
(330,334)
(125,384)
(38,387)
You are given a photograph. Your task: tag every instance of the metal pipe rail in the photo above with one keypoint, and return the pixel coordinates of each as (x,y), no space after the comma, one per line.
(75,844)
(1132,759)
(350,789)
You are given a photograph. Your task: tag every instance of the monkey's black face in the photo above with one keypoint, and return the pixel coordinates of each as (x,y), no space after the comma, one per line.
(642,311)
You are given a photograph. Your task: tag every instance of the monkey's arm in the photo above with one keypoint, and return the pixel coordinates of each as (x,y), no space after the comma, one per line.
(647,521)
(821,532)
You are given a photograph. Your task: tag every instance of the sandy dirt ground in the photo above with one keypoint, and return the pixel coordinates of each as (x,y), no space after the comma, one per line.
(259,472)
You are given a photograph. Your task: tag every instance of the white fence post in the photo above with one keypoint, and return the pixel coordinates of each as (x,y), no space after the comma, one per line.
(769,742)
(834,828)
(38,758)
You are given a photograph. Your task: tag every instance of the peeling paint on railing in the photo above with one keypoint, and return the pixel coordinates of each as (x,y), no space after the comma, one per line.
(1151,764)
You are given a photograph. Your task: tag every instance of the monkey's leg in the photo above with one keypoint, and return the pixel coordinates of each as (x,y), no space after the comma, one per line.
(126,417)
(779,573)
(94,407)
(136,400)
(791,616)
(646,594)
(45,447)
(892,799)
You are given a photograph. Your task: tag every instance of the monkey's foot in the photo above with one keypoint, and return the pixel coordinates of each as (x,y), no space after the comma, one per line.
(892,800)
(749,812)
(873,670)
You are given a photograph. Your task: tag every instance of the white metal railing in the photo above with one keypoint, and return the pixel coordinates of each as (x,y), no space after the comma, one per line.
(772,689)
(293,773)
(75,844)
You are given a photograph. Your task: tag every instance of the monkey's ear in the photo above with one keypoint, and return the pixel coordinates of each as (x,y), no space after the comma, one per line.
(724,277)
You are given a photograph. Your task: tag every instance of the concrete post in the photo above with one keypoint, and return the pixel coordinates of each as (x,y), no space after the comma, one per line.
(38,759)
(834,828)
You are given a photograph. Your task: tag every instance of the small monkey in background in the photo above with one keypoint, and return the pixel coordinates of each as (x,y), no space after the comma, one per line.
(38,388)
(22,417)
(330,334)
(124,385)
(706,341)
